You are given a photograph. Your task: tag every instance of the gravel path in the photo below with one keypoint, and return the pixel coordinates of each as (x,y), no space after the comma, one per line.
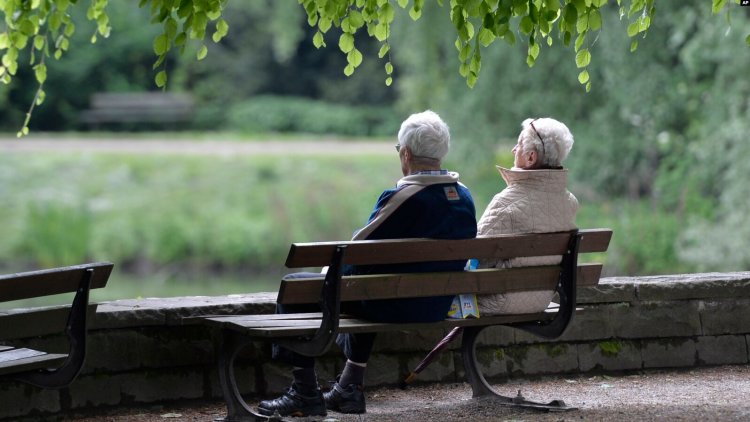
(702,394)
(199,147)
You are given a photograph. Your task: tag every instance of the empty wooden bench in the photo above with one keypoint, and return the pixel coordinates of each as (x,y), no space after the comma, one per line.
(37,367)
(138,107)
(312,334)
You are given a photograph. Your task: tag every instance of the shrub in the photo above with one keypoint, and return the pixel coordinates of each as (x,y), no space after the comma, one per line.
(293,114)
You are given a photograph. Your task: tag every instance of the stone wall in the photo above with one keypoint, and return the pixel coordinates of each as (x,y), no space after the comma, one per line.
(144,351)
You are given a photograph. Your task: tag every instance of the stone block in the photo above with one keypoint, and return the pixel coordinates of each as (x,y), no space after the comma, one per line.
(593,323)
(163,385)
(441,368)
(407,341)
(493,336)
(722,350)
(668,352)
(609,355)
(492,361)
(693,286)
(128,349)
(93,391)
(727,316)
(384,369)
(19,399)
(656,319)
(547,358)
(607,291)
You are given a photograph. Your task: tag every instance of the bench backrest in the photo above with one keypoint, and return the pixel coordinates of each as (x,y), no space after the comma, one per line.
(51,282)
(384,286)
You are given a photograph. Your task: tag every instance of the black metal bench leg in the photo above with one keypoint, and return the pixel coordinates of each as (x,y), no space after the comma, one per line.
(230,344)
(479,385)
(76,329)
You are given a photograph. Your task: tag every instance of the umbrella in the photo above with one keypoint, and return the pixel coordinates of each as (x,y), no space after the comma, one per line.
(430,357)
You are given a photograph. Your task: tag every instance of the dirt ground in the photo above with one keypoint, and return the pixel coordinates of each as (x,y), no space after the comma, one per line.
(701,394)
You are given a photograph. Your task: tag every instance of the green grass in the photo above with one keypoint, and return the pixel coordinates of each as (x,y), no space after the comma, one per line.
(179,225)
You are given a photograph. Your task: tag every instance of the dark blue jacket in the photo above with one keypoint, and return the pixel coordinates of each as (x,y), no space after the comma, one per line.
(433,212)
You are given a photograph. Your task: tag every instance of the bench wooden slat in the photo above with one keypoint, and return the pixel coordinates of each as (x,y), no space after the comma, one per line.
(393,251)
(51,282)
(389,286)
(292,328)
(18,360)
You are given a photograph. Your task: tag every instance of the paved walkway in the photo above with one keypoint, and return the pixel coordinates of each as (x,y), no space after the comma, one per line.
(702,394)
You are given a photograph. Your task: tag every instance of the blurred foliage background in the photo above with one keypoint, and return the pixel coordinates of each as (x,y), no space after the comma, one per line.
(661,153)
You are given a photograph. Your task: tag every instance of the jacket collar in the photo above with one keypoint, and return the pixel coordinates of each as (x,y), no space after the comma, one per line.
(428,179)
(548,180)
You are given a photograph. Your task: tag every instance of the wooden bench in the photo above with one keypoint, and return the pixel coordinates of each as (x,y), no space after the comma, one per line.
(311,334)
(138,107)
(32,366)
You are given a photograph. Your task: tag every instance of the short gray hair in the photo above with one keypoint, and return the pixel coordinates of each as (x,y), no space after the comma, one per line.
(558,141)
(426,135)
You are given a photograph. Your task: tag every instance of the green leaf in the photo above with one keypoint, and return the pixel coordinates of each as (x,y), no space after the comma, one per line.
(403,3)
(595,20)
(486,37)
(349,70)
(583,23)
(463,55)
(718,5)
(318,40)
(633,29)
(346,42)
(354,58)
(161,78)
(4,40)
(202,52)
(534,50)
(583,77)
(388,81)
(356,20)
(583,58)
(634,45)
(747,40)
(381,31)
(388,68)
(161,44)
(39,41)
(387,13)
(384,50)
(40,72)
(526,25)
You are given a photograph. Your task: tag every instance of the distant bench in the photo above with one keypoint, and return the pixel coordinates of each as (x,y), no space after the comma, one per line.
(311,334)
(33,366)
(138,107)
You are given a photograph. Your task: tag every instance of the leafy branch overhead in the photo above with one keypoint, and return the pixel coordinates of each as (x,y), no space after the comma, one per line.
(43,28)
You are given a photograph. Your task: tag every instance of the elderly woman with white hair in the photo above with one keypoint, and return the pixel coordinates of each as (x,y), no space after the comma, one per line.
(427,202)
(536,200)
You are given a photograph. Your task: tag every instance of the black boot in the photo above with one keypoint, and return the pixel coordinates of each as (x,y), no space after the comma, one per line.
(345,399)
(295,402)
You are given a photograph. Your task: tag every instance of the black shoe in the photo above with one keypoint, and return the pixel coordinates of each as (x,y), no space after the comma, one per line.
(295,402)
(349,399)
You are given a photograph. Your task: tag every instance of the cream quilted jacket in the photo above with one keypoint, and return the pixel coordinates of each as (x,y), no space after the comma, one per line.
(535,201)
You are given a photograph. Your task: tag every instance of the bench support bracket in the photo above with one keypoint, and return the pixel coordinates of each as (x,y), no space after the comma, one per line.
(479,385)
(75,328)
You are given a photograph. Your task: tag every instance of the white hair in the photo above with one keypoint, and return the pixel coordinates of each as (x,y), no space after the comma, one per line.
(426,135)
(558,141)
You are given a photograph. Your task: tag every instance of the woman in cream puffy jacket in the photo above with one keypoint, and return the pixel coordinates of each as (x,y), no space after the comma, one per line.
(536,200)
